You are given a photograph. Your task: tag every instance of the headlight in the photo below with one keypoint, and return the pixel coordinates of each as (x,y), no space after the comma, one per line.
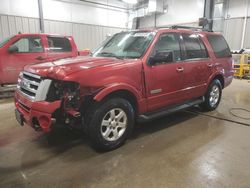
(69,92)
(71,96)
(19,80)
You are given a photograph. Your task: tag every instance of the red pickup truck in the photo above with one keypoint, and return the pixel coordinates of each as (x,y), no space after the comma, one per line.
(23,49)
(135,75)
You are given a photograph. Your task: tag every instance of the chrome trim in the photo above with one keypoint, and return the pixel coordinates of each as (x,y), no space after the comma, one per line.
(155,91)
(29,89)
(43,90)
(25,95)
(32,75)
(31,82)
(40,93)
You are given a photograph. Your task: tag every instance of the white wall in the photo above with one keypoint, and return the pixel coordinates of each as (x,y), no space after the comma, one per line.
(234,23)
(81,12)
(89,24)
(236,8)
(70,11)
(178,12)
(26,8)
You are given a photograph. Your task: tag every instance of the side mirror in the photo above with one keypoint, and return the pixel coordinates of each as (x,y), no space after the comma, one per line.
(84,52)
(13,48)
(162,57)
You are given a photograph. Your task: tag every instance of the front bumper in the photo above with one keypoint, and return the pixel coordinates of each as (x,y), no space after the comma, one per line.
(36,114)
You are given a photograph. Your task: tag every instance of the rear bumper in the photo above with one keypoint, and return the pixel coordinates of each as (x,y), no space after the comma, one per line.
(36,114)
(227,81)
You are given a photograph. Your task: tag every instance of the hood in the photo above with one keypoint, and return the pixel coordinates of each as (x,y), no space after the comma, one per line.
(64,67)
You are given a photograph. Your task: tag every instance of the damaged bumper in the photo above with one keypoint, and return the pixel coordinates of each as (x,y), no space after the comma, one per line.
(35,114)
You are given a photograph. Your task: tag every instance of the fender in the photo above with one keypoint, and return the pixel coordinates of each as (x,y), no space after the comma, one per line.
(217,73)
(116,87)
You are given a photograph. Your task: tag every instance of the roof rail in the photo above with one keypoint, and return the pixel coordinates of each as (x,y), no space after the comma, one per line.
(187,27)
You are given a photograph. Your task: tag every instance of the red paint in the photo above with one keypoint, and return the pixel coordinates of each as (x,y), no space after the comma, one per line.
(106,75)
(12,63)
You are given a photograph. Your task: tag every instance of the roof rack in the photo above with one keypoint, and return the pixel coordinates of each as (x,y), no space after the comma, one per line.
(187,27)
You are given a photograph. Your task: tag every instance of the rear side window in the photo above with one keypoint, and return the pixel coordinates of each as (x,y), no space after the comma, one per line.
(219,45)
(194,47)
(59,44)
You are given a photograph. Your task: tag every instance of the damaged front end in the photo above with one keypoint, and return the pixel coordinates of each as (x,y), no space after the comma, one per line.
(44,103)
(73,101)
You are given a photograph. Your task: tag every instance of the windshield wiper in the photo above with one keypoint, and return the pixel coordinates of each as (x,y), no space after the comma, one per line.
(109,54)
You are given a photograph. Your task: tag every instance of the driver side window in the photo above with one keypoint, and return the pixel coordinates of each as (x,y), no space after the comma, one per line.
(29,45)
(168,42)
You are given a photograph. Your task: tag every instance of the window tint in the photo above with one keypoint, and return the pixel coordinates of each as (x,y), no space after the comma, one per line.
(59,44)
(169,42)
(219,46)
(194,47)
(29,45)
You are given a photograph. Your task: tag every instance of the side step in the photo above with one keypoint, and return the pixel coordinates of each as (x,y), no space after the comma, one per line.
(159,113)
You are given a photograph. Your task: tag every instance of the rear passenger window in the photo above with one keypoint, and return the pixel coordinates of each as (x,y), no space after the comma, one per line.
(219,45)
(194,47)
(59,44)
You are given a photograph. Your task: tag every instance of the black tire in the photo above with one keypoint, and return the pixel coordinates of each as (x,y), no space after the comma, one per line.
(101,111)
(208,105)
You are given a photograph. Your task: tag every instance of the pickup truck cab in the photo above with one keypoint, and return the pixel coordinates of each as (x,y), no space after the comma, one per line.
(23,49)
(134,76)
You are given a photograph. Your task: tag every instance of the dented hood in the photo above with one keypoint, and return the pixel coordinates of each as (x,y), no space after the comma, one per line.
(64,67)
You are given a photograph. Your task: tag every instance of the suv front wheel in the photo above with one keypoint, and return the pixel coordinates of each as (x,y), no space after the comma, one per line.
(212,96)
(111,123)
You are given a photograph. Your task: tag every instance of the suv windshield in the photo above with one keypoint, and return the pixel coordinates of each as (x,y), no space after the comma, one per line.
(4,41)
(125,45)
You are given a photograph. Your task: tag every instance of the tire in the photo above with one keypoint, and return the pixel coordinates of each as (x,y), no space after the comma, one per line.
(111,123)
(212,96)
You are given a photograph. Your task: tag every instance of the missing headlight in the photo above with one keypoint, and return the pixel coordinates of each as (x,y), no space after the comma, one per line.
(69,91)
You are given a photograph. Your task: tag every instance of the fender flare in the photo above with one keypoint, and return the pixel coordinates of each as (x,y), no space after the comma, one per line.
(217,73)
(116,87)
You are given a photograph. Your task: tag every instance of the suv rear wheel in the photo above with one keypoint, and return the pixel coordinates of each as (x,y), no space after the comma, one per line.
(111,123)
(212,96)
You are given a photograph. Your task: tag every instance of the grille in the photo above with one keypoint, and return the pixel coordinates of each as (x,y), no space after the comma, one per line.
(26,108)
(33,86)
(28,84)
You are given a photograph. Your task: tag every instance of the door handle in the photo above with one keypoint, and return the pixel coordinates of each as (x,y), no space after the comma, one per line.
(40,58)
(210,65)
(180,69)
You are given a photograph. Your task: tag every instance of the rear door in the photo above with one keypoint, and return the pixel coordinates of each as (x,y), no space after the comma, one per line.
(223,56)
(30,50)
(198,66)
(59,47)
(164,81)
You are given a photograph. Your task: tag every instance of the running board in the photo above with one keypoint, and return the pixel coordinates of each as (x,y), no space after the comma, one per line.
(152,115)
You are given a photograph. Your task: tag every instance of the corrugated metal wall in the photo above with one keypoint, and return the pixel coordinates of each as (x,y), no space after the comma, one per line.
(10,25)
(86,36)
(247,36)
(233,32)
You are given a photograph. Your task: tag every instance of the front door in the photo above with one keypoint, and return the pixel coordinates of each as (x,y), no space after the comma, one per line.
(164,80)
(29,50)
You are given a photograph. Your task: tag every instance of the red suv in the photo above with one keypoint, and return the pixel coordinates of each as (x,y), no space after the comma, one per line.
(135,75)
